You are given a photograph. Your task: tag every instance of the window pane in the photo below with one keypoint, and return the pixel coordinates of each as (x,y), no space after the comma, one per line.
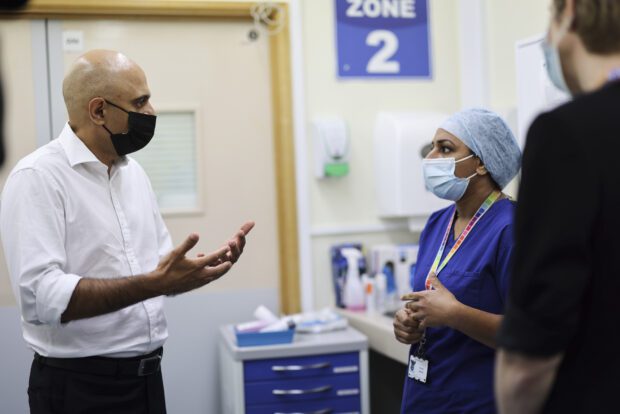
(170,161)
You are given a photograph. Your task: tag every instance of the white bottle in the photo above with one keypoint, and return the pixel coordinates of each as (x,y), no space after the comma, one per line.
(407,255)
(353,296)
(262,313)
(370,293)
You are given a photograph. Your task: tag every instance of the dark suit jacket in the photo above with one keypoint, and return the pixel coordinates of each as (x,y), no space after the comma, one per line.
(565,287)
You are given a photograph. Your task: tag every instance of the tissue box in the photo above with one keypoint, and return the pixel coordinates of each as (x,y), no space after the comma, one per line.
(264,338)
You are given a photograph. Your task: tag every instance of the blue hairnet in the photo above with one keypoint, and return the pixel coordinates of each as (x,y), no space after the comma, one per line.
(490,138)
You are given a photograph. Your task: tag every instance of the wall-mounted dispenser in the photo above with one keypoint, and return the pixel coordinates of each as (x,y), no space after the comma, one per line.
(331,147)
(401,140)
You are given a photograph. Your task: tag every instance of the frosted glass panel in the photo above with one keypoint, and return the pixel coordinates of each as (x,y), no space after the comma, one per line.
(170,161)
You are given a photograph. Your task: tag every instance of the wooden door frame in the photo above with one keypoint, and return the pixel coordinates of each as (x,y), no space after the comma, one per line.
(280,68)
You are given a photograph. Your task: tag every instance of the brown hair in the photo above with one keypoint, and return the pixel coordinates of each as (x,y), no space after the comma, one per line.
(597,23)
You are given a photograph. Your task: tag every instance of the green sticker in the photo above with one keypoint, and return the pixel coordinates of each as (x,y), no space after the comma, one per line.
(337,169)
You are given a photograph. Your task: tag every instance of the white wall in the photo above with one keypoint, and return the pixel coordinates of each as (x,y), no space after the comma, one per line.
(350,201)
(19,130)
(507,22)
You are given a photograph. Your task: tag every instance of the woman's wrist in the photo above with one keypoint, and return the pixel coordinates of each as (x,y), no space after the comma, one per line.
(456,314)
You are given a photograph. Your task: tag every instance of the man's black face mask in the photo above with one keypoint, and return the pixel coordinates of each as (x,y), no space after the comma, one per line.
(140,131)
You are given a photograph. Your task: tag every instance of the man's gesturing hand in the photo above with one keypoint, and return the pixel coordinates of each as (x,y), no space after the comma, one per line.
(177,273)
(237,243)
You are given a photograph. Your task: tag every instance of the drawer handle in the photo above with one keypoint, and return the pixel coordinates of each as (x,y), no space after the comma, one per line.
(317,390)
(327,411)
(284,368)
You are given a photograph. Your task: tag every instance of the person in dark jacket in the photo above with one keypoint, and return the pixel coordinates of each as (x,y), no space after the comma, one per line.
(559,338)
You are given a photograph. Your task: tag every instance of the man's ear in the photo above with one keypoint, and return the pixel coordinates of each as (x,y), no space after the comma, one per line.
(566,16)
(569,10)
(96,110)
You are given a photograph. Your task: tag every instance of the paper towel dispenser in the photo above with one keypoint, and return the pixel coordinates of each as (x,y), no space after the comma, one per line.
(401,141)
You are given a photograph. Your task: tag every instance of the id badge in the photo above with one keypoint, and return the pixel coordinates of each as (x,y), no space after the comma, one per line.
(418,368)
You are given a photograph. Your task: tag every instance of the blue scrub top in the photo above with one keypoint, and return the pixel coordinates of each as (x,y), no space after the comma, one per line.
(460,371)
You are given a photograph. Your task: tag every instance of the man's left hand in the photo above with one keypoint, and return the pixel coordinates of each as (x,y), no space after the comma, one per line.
(237,242)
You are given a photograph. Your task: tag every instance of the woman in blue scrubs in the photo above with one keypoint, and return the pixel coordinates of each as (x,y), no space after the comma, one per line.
(459,287)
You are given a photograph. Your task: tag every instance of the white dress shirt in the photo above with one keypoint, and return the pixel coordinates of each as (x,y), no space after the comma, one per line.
(62,218)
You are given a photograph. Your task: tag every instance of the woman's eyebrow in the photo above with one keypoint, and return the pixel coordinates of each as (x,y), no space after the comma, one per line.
(443,140)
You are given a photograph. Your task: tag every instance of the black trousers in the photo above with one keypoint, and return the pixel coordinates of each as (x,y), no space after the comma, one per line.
(55,390)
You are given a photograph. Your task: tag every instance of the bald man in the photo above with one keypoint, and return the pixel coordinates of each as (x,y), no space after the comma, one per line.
(89,256)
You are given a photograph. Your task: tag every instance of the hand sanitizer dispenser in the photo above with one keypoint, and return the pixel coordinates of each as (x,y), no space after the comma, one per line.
(331,147)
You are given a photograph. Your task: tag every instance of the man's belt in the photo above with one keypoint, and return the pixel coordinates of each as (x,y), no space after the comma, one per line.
(136,366)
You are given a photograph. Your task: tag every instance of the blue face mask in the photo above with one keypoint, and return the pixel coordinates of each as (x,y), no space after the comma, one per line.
(554,66)
(440,179)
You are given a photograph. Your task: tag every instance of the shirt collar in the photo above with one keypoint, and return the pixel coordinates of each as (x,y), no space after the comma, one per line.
(77,152)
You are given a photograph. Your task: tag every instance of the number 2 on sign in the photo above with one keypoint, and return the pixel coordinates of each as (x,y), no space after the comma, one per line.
(380,61)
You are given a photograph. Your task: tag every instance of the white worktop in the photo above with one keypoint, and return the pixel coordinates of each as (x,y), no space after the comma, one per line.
(380,332)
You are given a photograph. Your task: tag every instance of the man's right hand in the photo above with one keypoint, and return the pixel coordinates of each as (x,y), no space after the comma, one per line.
(177,273)
(406,329)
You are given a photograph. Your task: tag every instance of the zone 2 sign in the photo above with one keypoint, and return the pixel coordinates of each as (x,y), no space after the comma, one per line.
(383,38)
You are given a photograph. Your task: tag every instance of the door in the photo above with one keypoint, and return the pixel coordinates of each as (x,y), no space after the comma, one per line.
(211,87)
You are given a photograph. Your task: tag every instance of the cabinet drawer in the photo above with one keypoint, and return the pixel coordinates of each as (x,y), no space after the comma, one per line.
(300,367)
(302,389)
(349,405)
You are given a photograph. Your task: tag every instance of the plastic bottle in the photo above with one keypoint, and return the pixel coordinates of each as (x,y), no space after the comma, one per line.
(381,291)
(370,293)
(353,297)
(391,294)
(253,326)
(262,313)
(388,271)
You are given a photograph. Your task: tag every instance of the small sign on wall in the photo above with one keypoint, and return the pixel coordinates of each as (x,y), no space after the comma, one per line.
(383,38)
(73,41)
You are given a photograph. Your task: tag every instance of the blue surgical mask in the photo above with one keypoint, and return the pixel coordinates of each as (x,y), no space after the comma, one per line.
(553,62)
(554,66)
(440,179)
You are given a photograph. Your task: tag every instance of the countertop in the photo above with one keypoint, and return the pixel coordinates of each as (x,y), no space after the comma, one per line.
(380,332)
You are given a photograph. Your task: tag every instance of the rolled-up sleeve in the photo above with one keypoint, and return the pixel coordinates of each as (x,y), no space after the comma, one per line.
(33,235)
(551,265)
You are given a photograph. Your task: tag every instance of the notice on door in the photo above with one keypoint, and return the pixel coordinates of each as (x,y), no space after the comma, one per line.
(73,41)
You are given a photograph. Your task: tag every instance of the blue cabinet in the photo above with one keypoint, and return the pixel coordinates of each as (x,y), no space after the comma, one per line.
(341,405)
(324,373)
